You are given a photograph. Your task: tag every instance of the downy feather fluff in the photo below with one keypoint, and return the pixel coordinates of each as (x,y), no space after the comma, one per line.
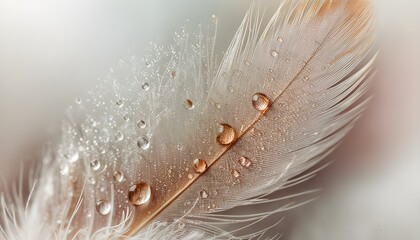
(191,137)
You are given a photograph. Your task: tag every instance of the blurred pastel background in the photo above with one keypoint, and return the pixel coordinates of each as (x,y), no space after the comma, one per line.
(52,52)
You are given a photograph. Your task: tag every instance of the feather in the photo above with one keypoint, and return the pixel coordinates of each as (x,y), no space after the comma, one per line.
(170,141)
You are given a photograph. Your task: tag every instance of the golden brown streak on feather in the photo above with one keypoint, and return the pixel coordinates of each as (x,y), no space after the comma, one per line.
(325,9)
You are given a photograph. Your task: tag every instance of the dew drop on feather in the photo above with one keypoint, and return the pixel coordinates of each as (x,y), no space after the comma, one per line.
(244,161)
(279,39)
(119,136)
(274,53)
(145,86)
(260,102)
(143,143)
(141,124)
(139,193)
(226,134)
(103,207)
(95,164)
(188,104)
(200,165)
(119,103)
(204,194)
(118,176)
(235,173)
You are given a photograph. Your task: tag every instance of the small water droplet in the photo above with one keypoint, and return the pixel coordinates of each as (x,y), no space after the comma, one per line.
(173,74)
(64,169)
(226,134)
(145,86)
(139,193)
(143,143)
(190,176)
(218,106)
(204,194)
(118,176)
(247,63)
(126,118)
(141,124)
(103,207)
(306,78)
(119,136)
(260,102)
(119,103)
(95,164)
(279,39)
(200,165)
(244,161)
(78,101)
(230,88)
(188,104)
(235,173)
(274,53)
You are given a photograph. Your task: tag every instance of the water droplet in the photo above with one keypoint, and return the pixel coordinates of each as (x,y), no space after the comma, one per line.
(173,74)
(200,165)
(218,106)
(143,143)
(95,164)
(118,176)
(119,103)
(274,53)
(103,207)
(145,86)
(260,102)
(78,101)
(190,176)
(226,134)
(235,173)
(230,88)
(139,193)
(126,118)
(204,194)
(244,161)
(141,124)
(188,104)
(279,39)
(247,63)
(306,78)
(119,136)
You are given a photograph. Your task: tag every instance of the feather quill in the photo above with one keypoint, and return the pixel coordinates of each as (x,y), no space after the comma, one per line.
(170,141)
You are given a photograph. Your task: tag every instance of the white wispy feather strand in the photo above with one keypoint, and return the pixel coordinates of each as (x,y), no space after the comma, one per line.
(151,117)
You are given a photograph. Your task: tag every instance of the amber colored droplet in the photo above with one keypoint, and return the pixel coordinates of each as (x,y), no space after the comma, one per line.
(260,102)
(226,134)
(200,165)
(244,162)
(139,193)
(235,173)
(188,104)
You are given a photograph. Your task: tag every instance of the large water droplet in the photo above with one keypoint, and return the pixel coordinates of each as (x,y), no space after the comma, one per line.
(141,124)
(95,164)
(274,53)
(260,102)
(103,207)
(204,194)
(200,165)
(118,176)
(143,143)
(188,104)
(226,134)
(119,136)
(244,161)
(139,193)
